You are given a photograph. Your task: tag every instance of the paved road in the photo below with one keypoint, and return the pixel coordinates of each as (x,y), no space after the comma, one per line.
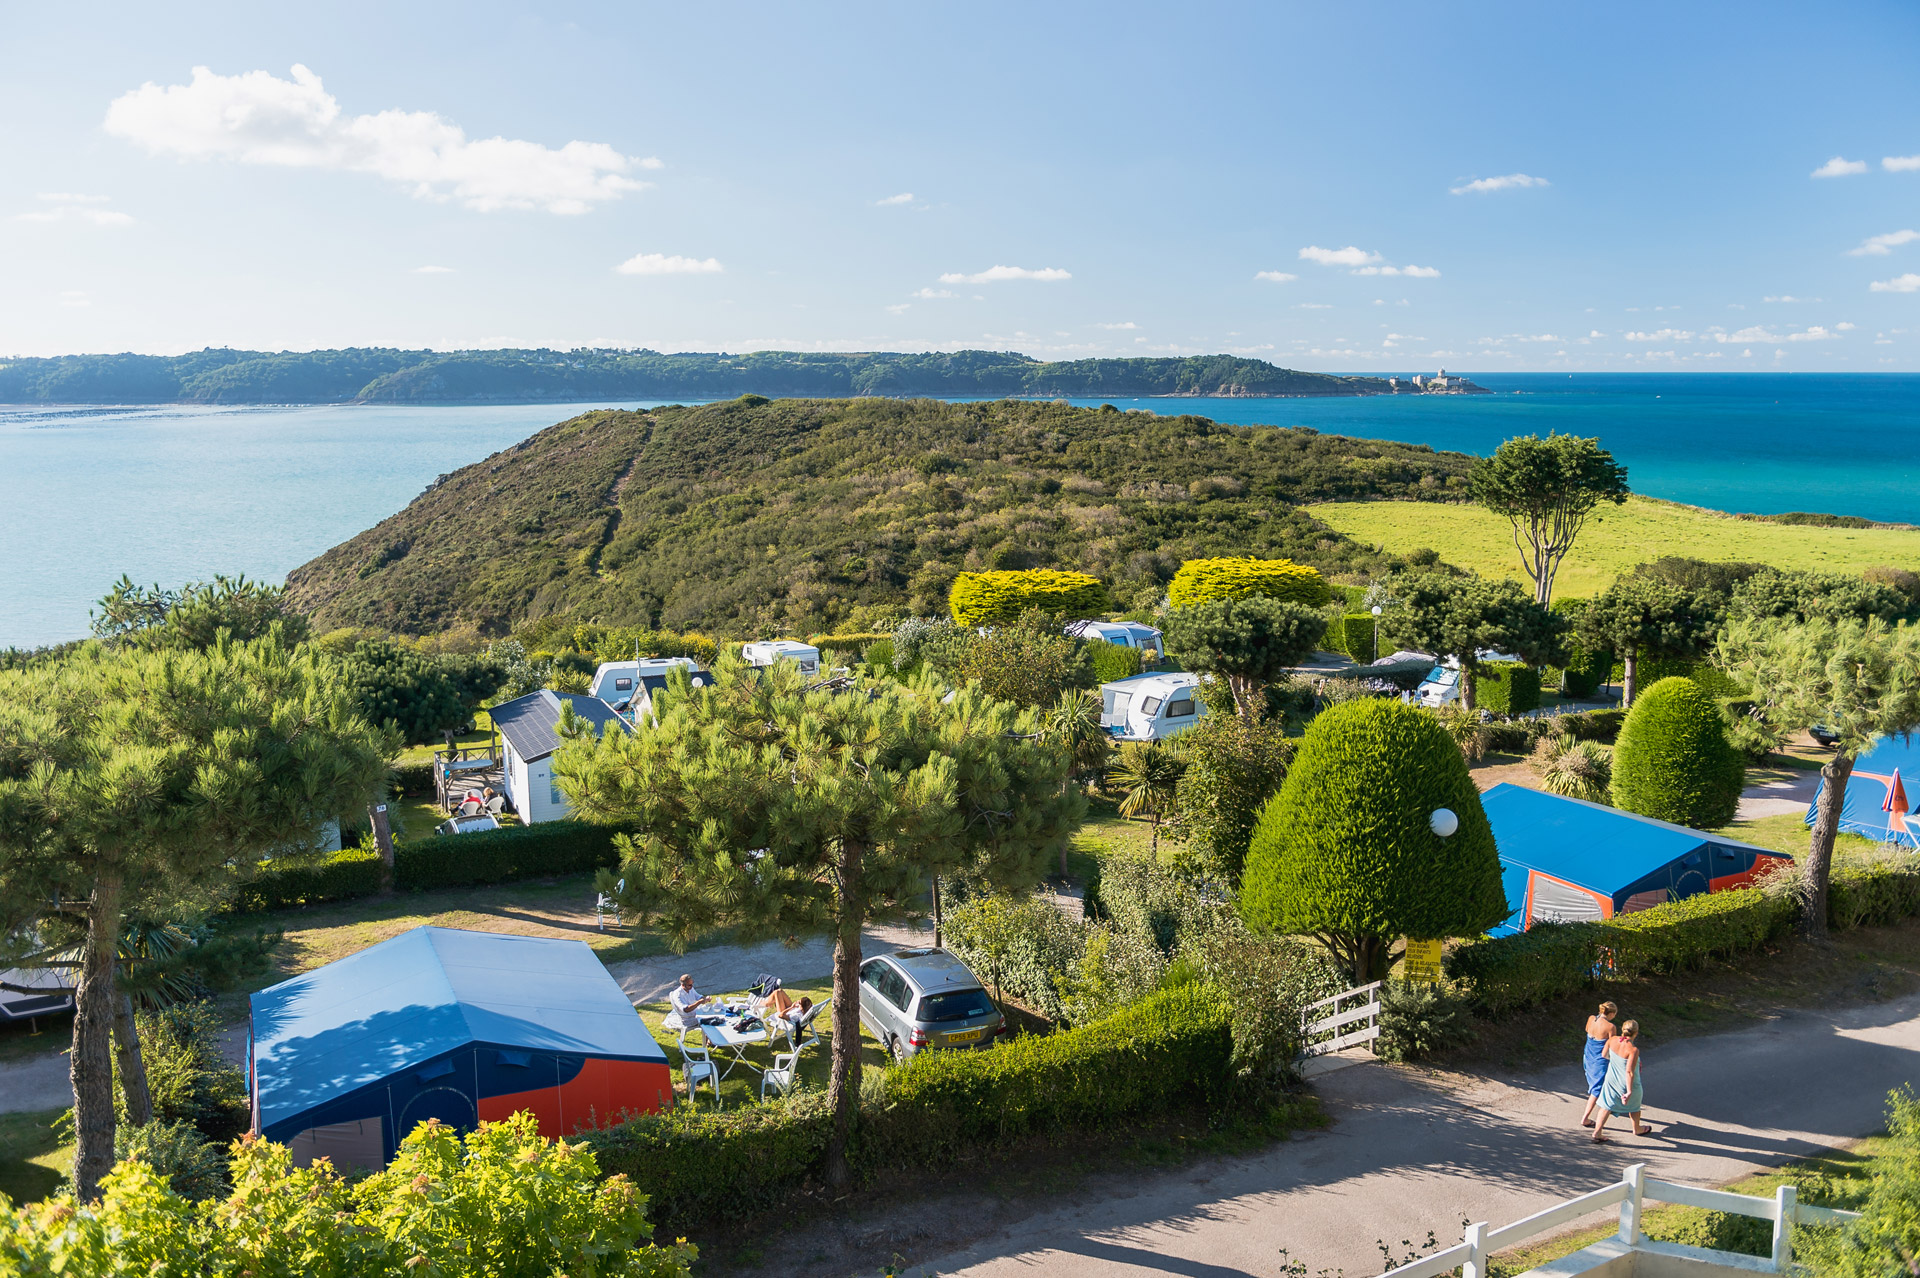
(1410,1152)
(1780,796)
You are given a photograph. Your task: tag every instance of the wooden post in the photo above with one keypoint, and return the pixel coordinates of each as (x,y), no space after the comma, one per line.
(1476,1264)
(383,839)
(1630,1205)
(1786,1203)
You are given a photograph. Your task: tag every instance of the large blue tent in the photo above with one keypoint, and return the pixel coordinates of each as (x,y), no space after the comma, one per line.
(443,1023)
(1877,804)
(1567,860)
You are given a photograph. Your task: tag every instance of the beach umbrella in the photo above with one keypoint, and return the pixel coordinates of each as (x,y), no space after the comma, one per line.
(1896,800)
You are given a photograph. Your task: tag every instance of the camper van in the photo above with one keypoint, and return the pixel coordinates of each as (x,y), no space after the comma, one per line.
(1151,707)
(1127,634)
(769,651)
(617,681)
(1442,684)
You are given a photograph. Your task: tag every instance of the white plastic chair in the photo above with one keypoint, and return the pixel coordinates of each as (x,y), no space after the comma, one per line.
(785,1071)
(697,1065)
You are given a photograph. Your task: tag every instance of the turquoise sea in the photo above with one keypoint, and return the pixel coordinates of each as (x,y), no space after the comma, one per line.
(176,493)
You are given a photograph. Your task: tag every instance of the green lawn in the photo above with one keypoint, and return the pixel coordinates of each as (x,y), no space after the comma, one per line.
(742,1084)
(1617,538)
(33,1164)
(480,734)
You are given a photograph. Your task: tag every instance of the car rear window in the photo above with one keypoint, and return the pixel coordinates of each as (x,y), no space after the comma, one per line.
(965,1005)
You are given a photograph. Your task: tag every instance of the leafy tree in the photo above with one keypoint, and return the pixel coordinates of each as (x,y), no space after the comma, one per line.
(1346,852)
(1805,596)
(1460,617)
(1713,580)
(1029,662)
(137,782)
(1546,488)
(1234,765)
(1202,581)
(777,810)
(1073,728)
(1249,642)
(192,616)
(1641,618)
(1858,679)
(990,598)
(1673,761)
(1148,778)
(421,694)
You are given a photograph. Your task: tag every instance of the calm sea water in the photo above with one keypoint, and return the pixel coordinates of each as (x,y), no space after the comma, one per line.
(178,493)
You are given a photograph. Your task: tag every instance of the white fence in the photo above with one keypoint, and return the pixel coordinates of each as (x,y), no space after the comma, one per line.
(1784,1209)
(1332,1016)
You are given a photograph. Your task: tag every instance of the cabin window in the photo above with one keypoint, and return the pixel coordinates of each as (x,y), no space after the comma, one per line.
(1151,706)
(1180,709)
(553,791)
(623,685)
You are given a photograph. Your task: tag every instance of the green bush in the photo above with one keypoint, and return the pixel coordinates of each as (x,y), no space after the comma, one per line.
(1236,577)
(1592,725)
(1649,671)
(1418,1020)
(1352,635)
(849,647)
(190,1164)
(1019,947)
(1872,892)
(501,856)
(993,598)
(1508,687)
(879,654)
(411,779)
(1673,761)
(1112,661)
(309,880)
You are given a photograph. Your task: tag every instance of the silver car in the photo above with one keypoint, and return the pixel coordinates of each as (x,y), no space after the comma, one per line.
(915,999)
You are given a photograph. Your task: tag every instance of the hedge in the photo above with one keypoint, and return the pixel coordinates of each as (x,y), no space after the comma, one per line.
(850,646)
(411,778)
(1236,577)
(1112,661)
(989,598)
(1507,687)
(501,856)
(309,880)
(1353,635)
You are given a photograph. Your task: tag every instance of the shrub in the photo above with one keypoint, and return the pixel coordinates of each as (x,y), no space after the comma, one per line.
(990,598)
(411,779)
(1234,765)
(1029,662)
(188,1162)
(1651,670)
(915,638)
(849,647)
(1673,761)
(1576,769)
(1418,1020)
(1547,961)
(1018,947)
(879,654)
(310,879)
(1112,661)
(501,856)
(1508,687)
(1236,577)
(1591,725)
(1353,635)
(1872,892)
(188,1077)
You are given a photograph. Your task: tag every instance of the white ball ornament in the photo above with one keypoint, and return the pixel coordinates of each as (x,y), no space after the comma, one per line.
(1443,822)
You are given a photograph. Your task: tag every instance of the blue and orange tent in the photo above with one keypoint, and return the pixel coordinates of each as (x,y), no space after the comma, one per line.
(1566,860)
(461,1026)
(1876,805)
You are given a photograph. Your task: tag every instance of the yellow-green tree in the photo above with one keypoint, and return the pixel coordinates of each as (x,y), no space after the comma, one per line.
(1237,577)
(995,598)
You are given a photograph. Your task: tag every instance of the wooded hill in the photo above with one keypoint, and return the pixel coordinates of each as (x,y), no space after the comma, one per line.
(509,376)
(753,515)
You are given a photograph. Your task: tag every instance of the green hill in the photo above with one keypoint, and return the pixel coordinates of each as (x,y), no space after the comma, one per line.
(544,376)
(754,514)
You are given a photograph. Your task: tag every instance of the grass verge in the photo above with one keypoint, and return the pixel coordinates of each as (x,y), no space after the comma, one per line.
(33,1163)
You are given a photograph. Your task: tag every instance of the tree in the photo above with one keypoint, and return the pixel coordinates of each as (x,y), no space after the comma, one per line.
(1239,577)
(1234,765)
(1860,680)
(421,694)
(1029,662)
(1148,778)
(1673,761)
(1460,617)
(1073,728)
(1546,488)
(139,782)
(776,810)
(1347,851)
(1805,596)
(1248,642)
(989,598)
(193,615)
(1638,617)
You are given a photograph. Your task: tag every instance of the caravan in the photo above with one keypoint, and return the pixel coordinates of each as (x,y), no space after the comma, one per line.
(618,681)
(1442,684)
(1151,707)
(1125,634)
(767,652)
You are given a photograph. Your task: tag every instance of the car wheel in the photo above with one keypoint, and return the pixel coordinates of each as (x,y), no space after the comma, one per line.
(899,1050)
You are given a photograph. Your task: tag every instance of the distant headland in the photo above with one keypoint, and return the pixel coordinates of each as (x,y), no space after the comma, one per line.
(390,376)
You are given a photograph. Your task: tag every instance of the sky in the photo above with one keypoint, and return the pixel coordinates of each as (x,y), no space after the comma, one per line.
(1365,187)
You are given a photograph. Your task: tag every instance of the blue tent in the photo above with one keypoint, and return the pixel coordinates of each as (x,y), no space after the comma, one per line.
(1877,804)
(1567,860)
(441,1023)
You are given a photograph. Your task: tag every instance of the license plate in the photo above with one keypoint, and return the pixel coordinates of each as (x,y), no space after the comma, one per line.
(966,1036)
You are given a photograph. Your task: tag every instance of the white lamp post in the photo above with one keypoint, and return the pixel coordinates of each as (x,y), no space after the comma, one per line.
(1376,632)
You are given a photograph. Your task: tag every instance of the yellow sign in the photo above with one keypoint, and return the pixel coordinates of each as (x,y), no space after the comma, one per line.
(1422,962)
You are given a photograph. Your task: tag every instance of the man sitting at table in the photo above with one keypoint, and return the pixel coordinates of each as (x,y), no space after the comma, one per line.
(686,1001)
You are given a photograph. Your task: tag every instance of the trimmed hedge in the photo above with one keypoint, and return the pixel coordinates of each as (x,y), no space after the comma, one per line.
(1507,687)
(1673,761)
(1592,725)
(309,880)
(411,779)
(500,856)
(1352,635)
(1112,661)
(1872,895)
(850,646)
(990,598)
(1235,577)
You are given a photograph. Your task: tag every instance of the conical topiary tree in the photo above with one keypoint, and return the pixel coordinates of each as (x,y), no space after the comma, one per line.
(1673,761)
(1347,851)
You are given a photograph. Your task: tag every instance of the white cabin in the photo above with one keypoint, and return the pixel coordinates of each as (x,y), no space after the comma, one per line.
(1127,634)
(617,681)
(1151,707)
(529,735)
(768,651)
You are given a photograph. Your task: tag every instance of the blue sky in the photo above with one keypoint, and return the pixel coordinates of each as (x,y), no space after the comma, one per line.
(1290,182)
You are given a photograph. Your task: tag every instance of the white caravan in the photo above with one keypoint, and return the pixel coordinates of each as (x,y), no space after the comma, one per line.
(617,681)
(1127,634)
(1151,707)
(1442,684)
(766,652)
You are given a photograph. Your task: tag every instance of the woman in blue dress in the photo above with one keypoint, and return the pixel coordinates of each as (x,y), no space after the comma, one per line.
(1593,1059)
(1620,1093)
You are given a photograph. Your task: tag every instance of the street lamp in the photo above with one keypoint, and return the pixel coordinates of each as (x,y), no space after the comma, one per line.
(1376,632)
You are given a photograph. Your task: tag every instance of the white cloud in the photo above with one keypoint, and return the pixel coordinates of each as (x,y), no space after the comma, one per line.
(67,206)
(1417,272)
(433,270)
(931,293)
(1667,335)
(1127,326)
(1788,297)
(664,264)
(995,274)
(1348,256)
(258,118)
(1314,306)
(1882,245)
(1900,163)
(1908,283)
(1543,337)
(905,197)
(1840,167)
(899,308)
(1756,333)
(1275,277)
(72,197)
(1843,327)
(1506,182)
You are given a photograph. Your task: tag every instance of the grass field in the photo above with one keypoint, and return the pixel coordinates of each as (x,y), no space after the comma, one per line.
(1617,538)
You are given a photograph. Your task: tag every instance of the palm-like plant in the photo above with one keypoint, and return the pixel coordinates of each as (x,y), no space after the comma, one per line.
(1073,728)
(1575,769)
(1148,778)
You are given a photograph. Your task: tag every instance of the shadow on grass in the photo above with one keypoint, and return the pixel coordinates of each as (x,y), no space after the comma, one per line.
(33,1163)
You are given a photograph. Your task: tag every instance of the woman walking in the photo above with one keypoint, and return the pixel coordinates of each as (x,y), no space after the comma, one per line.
(1620,1093)
(1593,1058)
